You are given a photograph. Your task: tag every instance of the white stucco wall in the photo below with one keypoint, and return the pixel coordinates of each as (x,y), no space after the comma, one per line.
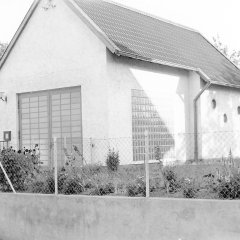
(168,88)
(57,50)
(218,137)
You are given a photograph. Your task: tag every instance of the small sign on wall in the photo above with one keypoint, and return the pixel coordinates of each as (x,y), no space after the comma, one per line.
(7,136)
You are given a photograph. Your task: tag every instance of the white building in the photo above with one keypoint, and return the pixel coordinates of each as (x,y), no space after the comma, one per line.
(97,75)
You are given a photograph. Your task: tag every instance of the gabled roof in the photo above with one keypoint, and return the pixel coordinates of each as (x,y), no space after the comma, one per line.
(134,34)
(138,35)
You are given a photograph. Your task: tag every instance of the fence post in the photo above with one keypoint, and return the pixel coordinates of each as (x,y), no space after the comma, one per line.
(147,162)
(55,165)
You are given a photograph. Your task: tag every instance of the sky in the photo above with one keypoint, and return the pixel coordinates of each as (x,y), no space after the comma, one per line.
(210,17)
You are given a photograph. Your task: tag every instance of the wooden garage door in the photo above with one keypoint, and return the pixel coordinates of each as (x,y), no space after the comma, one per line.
(51,114)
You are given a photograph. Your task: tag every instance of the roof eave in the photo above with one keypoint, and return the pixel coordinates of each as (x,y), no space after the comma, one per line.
(18,32)
(226,85)
(203,75)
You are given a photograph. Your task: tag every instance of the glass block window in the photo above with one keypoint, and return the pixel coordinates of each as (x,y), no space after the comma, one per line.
(145,116)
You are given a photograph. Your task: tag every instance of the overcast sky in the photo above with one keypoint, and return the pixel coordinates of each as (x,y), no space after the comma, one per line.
(210,17)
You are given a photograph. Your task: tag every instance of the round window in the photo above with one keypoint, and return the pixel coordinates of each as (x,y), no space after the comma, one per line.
(225,118)
(238,110)
(214,104)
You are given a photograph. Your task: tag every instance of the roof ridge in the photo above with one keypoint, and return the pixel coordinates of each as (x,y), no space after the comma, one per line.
(152,16)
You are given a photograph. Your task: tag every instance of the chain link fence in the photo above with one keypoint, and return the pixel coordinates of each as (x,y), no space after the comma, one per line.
(127,167)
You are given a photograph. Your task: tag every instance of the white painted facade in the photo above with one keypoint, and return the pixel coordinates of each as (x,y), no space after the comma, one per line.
(218,137)
(58,50)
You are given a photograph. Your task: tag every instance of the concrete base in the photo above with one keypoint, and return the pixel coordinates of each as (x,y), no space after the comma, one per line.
(47,217)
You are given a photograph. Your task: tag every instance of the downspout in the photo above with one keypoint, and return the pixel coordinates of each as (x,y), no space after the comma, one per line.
(196,119)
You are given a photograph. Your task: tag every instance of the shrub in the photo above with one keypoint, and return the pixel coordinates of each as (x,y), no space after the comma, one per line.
(112,160)
(72,185)
(132,190)
(42,183)
(62,176)
(229,189)
(189,190)
(19,166)
(120,188)
(49,186)
(36,186)
(89,184)
(155,183)
(169,174)
(103,189)
(92,169)
(135,188)
(67,183)
(171,181)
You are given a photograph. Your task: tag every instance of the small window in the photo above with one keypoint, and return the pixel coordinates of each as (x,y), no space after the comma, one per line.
(238,110)
(214,104)
(225,118)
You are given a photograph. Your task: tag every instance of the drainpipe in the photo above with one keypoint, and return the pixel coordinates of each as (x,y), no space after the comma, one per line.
(196,119)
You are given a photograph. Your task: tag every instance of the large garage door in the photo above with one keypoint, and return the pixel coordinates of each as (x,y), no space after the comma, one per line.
(51,114)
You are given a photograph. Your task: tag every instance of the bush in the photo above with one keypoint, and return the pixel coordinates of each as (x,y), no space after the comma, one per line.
(189,190)
(171,180)
(112,161)
(36,186)
(72,185)
(155,184)
(132,190)
(138,187)
(103,189)
(229,189)
(169,174)
(49,186)
(67,183)
(89,184)
(19,166)
(92,169)
(62,176)
(42,183)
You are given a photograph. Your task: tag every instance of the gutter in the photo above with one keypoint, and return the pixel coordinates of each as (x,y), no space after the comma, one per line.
(195,117)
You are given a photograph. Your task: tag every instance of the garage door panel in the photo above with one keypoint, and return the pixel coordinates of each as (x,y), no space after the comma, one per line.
(48,114)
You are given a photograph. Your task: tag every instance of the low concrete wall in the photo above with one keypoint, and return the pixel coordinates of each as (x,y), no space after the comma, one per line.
(41,217)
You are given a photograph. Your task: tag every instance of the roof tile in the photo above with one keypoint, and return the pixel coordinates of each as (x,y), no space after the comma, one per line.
(151,38)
